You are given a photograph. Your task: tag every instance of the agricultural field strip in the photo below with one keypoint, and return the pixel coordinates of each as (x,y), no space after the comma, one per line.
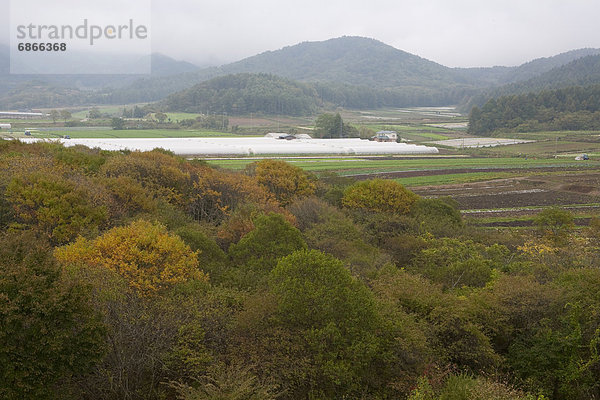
(473,170)
(438,180)
(414,164)
(522,191)
(527,218)
(529,208)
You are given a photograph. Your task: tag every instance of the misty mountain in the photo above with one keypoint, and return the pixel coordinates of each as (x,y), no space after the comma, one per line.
(352,60)
(345,60)
(345,71)
(161,65)
(540,66)
(583,71)
(498,76)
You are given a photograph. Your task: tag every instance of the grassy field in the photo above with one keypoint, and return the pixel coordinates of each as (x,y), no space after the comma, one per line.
(357,165)
(178,116)
(112,110)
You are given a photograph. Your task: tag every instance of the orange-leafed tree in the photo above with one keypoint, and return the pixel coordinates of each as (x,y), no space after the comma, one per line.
(285,181)
(216,195)
(147,256)
(380,196)
(162,174)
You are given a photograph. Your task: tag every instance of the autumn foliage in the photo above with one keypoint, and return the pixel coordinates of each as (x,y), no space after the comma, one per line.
(284,180)
(142,275)
(379,195)
(145,254)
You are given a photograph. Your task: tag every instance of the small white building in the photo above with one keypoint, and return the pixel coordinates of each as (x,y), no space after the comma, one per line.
(5,126)
(392,135)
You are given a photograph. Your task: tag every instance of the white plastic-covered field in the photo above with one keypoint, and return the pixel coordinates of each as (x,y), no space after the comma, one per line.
(251,146)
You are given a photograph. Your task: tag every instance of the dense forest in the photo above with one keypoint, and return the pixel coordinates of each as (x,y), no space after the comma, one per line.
(573,108)
(146,276)
(237,94)
(244,94)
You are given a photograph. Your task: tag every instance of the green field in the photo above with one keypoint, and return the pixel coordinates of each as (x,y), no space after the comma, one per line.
(358,165)
(117,111)
(178,116)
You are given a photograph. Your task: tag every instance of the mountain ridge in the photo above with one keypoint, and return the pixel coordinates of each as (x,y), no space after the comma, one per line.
(349,61)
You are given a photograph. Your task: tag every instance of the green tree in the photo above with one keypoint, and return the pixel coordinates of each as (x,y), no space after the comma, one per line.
(117,123)
(161,117)
(94,113)
(233,382)
(55,206)
(454,335)
(213,260)
(54,114)
(334,316)
(555,224)
(48,330)
(256,254)
(329,126)
(455,263)
(65,114)
(440,217)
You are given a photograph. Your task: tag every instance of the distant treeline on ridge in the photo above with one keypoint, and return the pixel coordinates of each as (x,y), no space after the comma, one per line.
(573,108)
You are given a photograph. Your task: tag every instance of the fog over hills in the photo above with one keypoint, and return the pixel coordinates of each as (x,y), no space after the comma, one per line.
(348,62)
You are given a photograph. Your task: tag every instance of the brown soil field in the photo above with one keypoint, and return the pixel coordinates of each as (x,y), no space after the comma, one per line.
(528,223)
(408,174)
(525,191)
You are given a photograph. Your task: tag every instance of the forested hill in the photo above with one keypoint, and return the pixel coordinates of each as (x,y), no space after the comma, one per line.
(540,66)
(246,93)
(573,108)
(580,72)
(352,60)
(269,94)
(499,76)
(352,72)
(357,62)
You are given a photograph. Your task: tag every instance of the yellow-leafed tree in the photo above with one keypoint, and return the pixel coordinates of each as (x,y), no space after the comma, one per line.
(285,181)
(147,256)
(379,195)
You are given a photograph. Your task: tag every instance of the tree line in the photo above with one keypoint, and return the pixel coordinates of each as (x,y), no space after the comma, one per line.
(142,275)
(240,94)
(572,108)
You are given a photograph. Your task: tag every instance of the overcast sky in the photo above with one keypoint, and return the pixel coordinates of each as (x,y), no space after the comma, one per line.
(455,33)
